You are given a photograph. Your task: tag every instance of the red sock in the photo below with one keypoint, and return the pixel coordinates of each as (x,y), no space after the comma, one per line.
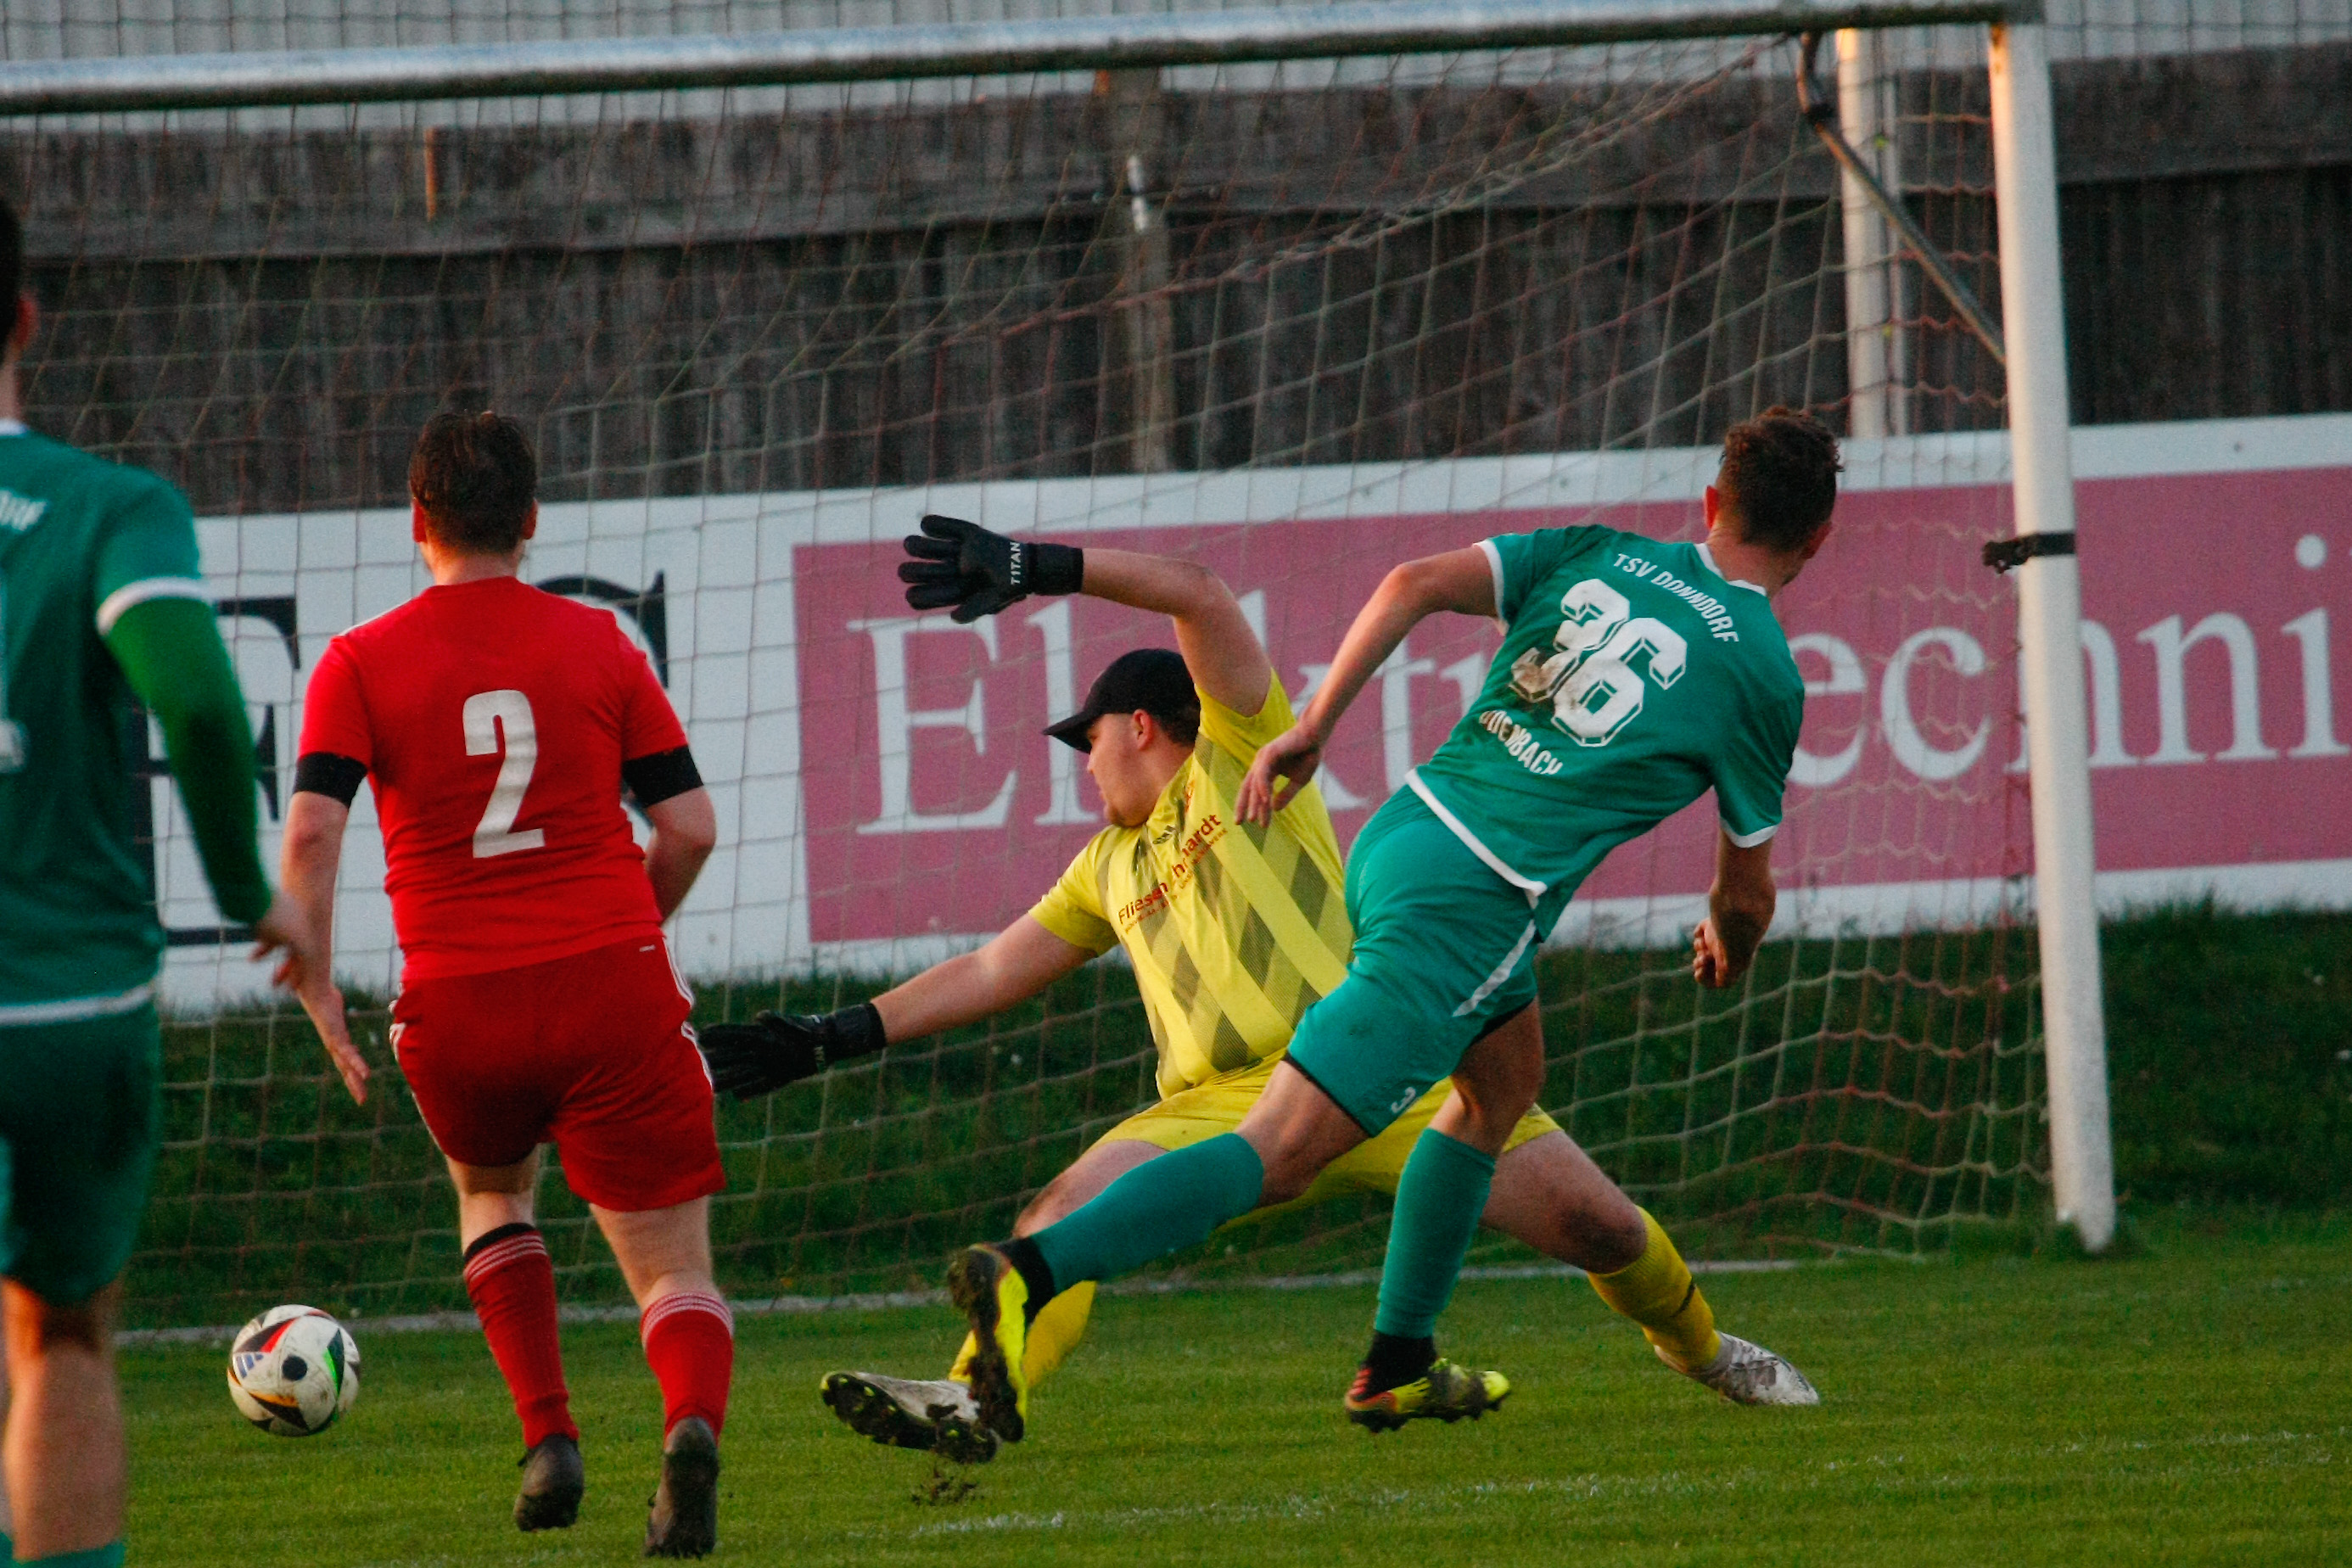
(690,1345)
(511,1283)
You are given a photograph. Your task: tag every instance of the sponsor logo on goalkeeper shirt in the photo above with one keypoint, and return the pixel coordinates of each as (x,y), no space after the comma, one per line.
(1180,874)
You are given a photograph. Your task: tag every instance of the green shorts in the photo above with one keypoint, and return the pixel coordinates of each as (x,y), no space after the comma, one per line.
(1445,953)
(80,1111)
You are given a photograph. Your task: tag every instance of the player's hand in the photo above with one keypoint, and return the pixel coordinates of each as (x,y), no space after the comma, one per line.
(1711,963)
(303,967)
(748,1061)
(1292,757)
(970,572)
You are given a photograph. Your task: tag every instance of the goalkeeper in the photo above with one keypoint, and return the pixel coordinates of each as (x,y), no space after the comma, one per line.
(1234,933)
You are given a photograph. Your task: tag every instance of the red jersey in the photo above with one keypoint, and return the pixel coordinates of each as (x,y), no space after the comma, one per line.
(493,720)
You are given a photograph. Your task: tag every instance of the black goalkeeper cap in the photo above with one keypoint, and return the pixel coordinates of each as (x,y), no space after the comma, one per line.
(1151,679)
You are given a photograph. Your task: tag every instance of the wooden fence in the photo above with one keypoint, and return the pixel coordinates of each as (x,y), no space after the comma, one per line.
(878,297)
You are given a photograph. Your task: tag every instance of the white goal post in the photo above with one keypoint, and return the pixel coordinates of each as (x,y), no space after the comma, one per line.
(2031,304)
(2050,614)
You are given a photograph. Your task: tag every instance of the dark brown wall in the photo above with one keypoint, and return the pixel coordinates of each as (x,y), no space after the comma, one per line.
(888,298)
(2205,296)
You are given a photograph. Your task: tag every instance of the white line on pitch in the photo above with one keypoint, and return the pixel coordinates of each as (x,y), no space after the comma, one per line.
(887,1301)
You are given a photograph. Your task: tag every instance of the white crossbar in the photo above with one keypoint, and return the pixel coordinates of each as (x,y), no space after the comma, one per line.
(973,48)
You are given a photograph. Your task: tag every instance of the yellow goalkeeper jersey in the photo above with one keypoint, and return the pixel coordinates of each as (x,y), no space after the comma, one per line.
(1234,931)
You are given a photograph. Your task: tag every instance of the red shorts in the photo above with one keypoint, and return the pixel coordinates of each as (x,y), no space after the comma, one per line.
(591,1053)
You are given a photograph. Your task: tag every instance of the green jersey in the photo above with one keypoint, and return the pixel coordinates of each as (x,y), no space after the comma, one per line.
(81,541)
(1632,678)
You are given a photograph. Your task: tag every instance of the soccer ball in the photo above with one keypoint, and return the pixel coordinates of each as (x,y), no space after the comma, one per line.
(292,1371)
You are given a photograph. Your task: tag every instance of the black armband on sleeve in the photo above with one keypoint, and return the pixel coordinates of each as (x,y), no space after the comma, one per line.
(654,779)
(329,774)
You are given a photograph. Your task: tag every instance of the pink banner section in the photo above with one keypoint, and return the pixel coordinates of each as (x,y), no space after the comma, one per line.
(2215,610)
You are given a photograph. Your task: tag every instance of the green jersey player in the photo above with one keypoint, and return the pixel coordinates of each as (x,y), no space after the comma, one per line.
(103,613)
(1635,676)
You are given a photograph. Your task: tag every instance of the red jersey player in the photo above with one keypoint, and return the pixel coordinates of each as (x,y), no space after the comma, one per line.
(538,1002)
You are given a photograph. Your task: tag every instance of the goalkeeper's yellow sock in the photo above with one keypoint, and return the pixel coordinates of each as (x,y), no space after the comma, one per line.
(1055,1333)
(1656,1290)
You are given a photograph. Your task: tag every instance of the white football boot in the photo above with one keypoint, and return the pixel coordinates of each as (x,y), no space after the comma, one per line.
(1748,1374)
(930,1413)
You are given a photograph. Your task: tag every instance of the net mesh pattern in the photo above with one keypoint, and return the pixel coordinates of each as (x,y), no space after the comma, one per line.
(1393,269)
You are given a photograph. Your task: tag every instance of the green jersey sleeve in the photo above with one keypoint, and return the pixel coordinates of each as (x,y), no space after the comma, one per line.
(1519,561)
(147,551)
(1751,771)
(172,658)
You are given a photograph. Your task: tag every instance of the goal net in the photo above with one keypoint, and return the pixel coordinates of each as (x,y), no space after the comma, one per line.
(1297,322)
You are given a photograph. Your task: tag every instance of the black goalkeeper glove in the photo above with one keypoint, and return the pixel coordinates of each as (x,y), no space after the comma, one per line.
(963,564)
(748,1061)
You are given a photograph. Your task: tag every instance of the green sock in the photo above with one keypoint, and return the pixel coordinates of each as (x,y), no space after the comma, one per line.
(1438,1202)
(107,1556)
(1164,1206)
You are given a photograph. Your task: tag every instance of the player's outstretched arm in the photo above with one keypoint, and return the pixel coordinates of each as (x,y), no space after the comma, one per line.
(686,830)
(1459,580)
(171,652)
(1739,911)
(775,1049)
(302,924)
(1012,966)
(971,572)
(1218,645)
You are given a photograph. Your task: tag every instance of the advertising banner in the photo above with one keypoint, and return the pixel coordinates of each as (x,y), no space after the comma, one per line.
(886,795)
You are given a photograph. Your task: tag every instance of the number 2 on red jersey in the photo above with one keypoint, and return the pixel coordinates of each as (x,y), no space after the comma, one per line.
(489,716)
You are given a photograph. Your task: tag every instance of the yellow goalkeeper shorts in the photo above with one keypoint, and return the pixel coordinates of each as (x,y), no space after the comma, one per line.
(1206,1109)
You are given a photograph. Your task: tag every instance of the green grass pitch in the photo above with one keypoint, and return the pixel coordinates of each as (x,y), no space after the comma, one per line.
(2183,1403)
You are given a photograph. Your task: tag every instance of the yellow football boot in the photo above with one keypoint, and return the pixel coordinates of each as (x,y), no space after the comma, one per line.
(1445,1392)
(990,1293)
